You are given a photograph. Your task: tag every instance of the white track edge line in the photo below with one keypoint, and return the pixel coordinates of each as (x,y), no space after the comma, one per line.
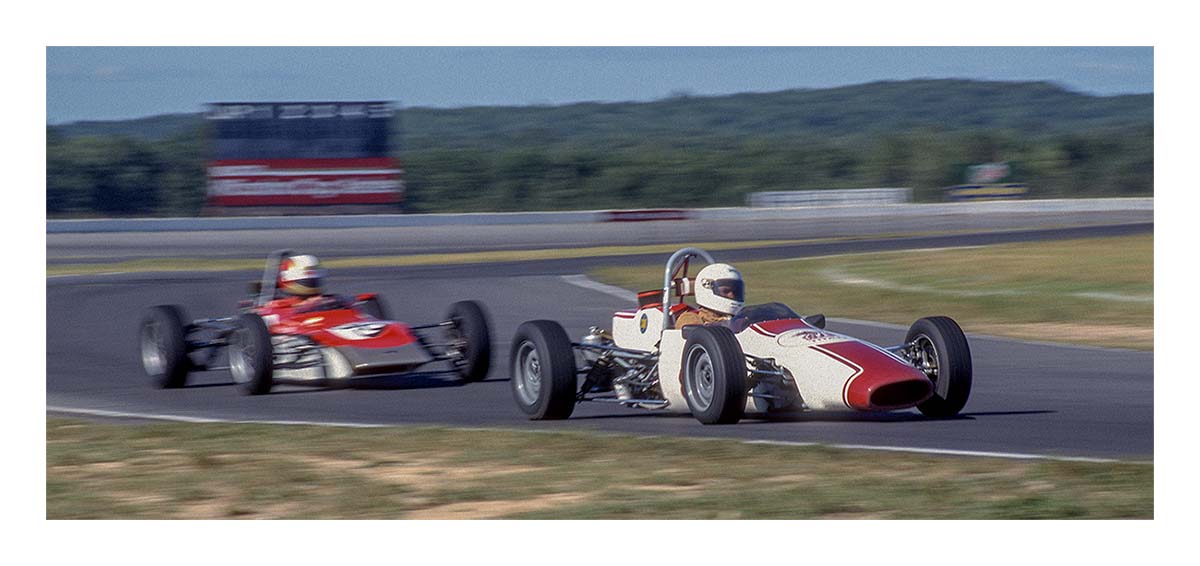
(200,420)
(581,280)
(904,449)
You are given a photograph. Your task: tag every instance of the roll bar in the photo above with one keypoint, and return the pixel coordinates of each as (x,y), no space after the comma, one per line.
(678,257)
(266,290)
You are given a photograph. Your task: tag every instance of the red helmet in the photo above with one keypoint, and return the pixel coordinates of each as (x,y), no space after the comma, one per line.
(301,275)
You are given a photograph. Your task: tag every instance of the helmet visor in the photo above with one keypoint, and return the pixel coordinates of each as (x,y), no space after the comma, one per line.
(730,289)
(309,283)
(305,283)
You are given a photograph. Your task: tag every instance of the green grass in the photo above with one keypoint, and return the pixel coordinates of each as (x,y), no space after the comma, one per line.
(96,470)
(1092,291)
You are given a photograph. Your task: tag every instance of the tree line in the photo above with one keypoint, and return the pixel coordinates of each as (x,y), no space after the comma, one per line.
(680,152)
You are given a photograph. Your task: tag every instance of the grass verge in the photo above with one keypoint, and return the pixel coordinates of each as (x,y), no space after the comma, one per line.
(1095,291)
(172,470)
(193,264)
(252,264)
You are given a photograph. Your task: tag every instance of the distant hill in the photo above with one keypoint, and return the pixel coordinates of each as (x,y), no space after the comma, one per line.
(151,128)
(1027,108)
(683,151)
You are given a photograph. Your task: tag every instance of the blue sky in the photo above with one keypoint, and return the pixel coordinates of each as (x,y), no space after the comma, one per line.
(110,83)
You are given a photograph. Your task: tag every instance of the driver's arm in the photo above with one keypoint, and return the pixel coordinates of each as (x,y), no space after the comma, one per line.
(688,319)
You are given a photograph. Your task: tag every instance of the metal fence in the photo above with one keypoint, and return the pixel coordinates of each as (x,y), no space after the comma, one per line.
(829,197)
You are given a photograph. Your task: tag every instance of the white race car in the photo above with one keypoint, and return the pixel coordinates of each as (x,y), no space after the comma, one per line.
(765,359)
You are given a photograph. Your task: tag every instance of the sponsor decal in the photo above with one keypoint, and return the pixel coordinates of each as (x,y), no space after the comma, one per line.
(805,336)
(643,323)
(318,188)
(294,111)
(358,330)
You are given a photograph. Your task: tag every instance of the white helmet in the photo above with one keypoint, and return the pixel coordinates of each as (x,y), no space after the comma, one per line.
(719,287)
(301,275)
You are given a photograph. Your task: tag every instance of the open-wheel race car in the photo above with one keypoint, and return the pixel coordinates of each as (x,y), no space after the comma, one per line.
(763,359)
(321,339)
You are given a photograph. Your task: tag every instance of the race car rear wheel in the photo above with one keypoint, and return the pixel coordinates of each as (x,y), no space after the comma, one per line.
(714,375)
(471,329)
(543,370)
(939,348)
(164,347)
(251,358)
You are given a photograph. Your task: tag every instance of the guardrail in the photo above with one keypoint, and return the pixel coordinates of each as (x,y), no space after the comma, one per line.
(829,197)
(592,216)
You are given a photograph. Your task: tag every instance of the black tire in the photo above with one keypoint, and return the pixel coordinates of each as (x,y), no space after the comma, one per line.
(542,362)
(251,359)
(714,375)
(471,324)
(375,308)
(164,347)
(946,346)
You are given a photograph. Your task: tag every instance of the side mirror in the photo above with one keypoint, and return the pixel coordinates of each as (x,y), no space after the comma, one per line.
(255,287)
(817,320)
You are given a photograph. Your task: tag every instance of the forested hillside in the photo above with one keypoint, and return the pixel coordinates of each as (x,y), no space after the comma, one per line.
(680,151)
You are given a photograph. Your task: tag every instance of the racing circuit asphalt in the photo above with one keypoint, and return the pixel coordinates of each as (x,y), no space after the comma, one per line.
(1030,398)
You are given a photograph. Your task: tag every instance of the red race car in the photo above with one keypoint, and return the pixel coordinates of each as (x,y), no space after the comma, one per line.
(309,337)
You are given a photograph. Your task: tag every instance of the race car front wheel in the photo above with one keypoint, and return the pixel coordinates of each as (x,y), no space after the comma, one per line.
(714,375)
(938,347)
(543,370)
(251,358)
(163,346)
(470,328)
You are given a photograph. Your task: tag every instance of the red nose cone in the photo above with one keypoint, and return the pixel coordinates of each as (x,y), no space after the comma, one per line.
(880,382)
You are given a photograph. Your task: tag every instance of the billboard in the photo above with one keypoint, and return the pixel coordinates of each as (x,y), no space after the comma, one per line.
(302,154)
(987,181)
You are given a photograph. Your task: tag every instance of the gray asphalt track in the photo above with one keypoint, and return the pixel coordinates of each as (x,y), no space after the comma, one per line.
(1028,398)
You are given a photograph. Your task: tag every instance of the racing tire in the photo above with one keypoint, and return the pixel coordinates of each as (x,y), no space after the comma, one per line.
(164,347)
(375,308)
(471,324)
(251,356)
(714,375)
(938,339)
(543,370)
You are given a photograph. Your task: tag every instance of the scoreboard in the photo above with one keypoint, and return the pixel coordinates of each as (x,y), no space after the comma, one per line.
(302,154)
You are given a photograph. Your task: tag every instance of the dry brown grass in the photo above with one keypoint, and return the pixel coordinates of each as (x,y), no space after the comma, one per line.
(1049,291)
(219,471)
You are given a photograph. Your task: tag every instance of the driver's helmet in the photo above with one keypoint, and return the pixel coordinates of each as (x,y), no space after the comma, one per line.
(301,275)
(719,288)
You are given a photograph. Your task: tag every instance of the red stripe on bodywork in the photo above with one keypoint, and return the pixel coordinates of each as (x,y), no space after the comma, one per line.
(874,369)
(773,328)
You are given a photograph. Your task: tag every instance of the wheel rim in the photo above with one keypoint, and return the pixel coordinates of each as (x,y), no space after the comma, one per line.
(701,379)
(153,356)
(241,357)
(925,356)
(527,374)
